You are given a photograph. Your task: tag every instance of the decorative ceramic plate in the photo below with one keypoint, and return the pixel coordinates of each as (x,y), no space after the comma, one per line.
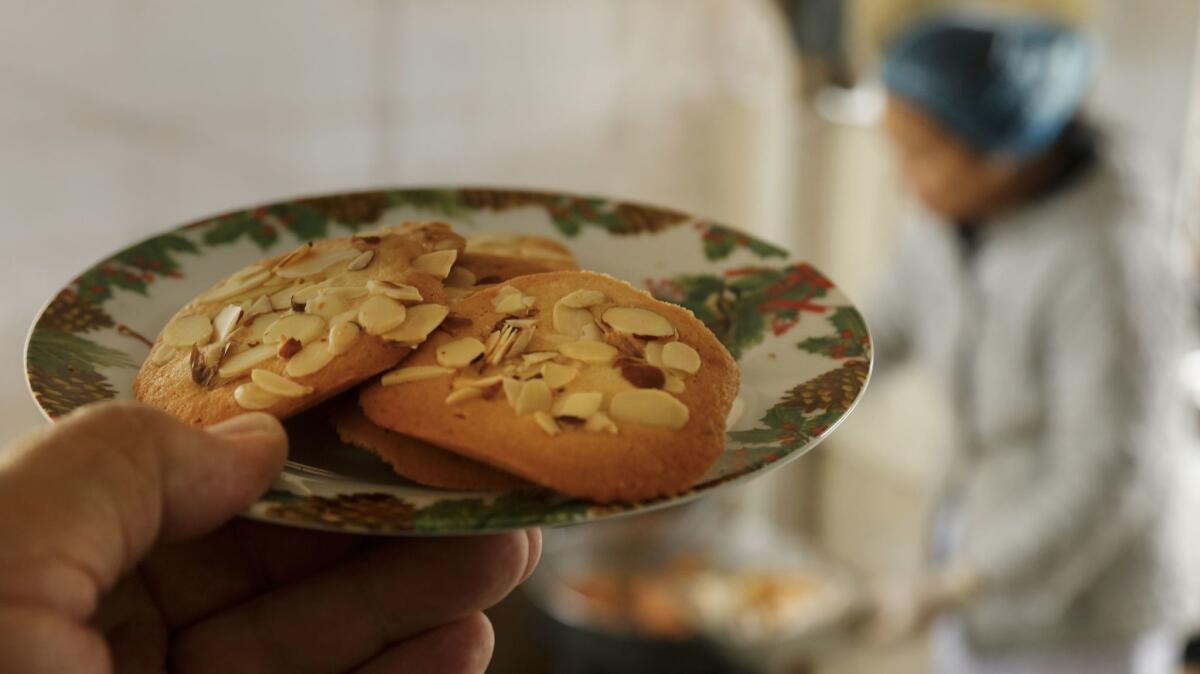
(804,351)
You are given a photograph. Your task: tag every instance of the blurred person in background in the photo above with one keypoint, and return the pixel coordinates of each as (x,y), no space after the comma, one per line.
(1034,283)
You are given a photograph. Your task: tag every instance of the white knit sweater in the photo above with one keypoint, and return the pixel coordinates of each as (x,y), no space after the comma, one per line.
(1058,341)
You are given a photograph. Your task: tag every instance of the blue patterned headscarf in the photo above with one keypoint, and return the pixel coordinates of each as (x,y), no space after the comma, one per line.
(1003,86)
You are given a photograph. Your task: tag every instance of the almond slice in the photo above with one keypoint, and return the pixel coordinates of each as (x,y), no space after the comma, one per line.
(277,385)
(305,294)
(579,405)
(397,291)
(557,376)
(459,395)
(348,316)
(252,332)
(638,322)
(600,423)
(483,382)
(359,263)
(326,305)
(302,327)
(227,320)
(455,295)
(649,407)
(511,305)
(512,390)
(654,353)
(591,333)
(164,354)
(674,384)
(310,359)
(521,322)
(240,363)
(246,280)
(342,336)
(437,263)
(282,299)
(379,314)
(680,356)
(460,277)
(187,331)
(460,352)
(549,341)
(596,353)
(535,396)
(422,319)
(547,423)
(506,290)
(345,292)
(538,357)
(446,244)
(315,263)
(251,396)
(570,321)
(524,337)
(582,299)
(404,375)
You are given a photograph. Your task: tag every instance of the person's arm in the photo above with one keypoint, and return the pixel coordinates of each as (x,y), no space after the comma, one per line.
(1089,492)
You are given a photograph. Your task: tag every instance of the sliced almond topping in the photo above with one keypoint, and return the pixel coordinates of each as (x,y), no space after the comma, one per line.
(306,294)
(654,354)
(202,373)
(315,263)
(240,363)
(511,305)
(521,322)
(547,423)
(500,350)
(600,423)
(404,375)
(454,295)
(188,331)
(535,395)
(397,291)
(592,333)
(247,272)
(459,395)
(237,285)
(512,390)
(326,305)
(311,358)
(549,341)
(460,352)
(252,331)
(342,336)
(437,263)
(596,353)
(582,299)
(529,301)
(280,386)
(570,321)
(460,277)
(482,382)
(303,327)
(680,356)
(422,319)
(282,299)
(649,407)
(493,339)
(361,262)
(348,316)
(674,384)
(557,376)
(379,314)
(639,322)
(164,354)
(643,375)
(521,342)
(539,357)
(345,292)
(579,405)
(260,306)
(506,290)
(446,244)
(289,347)
(251,396)
(295,256)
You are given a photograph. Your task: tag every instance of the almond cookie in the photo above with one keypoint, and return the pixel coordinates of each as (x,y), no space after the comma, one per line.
(289,331)
(417,460)
(572,380)
(553,255)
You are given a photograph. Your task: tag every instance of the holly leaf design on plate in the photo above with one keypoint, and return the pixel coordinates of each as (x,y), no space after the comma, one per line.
(720,242)
(850,338)
(741,304)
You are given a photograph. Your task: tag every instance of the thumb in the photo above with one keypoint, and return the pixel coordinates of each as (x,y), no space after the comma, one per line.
(83,501)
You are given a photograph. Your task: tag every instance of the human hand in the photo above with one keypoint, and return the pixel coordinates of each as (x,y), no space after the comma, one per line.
(118,554)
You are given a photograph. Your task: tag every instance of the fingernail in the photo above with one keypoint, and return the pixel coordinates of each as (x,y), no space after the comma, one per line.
(255,423)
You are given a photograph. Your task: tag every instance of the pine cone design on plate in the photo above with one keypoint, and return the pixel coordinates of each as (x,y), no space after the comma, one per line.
(351,209)
(376,512)
(61,391)
(834,390)
(501,200)
(636,218)
(69,312)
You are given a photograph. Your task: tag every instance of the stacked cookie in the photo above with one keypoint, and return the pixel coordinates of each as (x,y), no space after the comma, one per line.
(518,369)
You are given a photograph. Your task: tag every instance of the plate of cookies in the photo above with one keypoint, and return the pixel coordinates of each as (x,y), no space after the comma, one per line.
(458,360)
